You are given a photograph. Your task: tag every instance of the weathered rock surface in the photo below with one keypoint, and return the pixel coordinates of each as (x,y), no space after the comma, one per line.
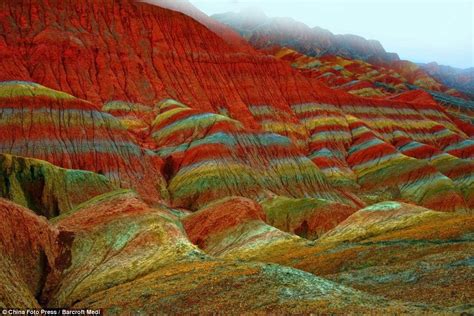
(266,109)
(210,156)
(230,226)
(378,219)
(359,77)
(29,250)
(306,217)
(227,148)
(42,123)
(46,189)
(117,238)
(411,255)
(115,253)
(235,288)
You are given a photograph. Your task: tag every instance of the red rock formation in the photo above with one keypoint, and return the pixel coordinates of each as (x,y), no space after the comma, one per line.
(226,33)
(219,217)
(137,52)
(72,133)
(31,251)
(257,144)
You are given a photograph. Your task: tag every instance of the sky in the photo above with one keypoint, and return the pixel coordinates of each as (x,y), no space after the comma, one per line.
(418,30)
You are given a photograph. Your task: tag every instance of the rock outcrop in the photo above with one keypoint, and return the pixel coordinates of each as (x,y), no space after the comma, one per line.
(45,188)
(231,226)
(117,254)
(29,249)
(72,133)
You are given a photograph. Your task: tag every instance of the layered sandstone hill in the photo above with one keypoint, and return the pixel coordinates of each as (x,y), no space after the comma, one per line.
(258,115)
(362,78)
(163,152)
(117,253)
(51,125)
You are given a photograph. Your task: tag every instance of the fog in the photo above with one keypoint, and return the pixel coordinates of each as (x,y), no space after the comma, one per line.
(418,30)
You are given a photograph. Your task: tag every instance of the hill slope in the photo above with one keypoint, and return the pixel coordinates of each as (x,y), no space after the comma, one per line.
(190,135)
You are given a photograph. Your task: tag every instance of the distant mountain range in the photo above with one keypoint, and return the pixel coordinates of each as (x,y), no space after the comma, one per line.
(263,32)
(272,33)
(460,79)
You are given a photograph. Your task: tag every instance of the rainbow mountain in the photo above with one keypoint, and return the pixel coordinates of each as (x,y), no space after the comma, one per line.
(154,161)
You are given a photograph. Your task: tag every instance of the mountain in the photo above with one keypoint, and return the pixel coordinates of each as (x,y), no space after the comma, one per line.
(264,32)
(223,31)
(270,34)
(359,77)
(460,79)
(156,162)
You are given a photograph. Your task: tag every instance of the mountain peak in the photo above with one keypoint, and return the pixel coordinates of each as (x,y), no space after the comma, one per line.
(254,12)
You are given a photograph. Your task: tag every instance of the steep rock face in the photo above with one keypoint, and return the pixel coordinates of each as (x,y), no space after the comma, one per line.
(263,32)
(140,53)
(72,133)
(29,250)
(45,188)
(225,32)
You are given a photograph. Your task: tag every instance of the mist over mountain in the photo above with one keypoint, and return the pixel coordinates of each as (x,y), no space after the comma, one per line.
(460,79)
(263,32)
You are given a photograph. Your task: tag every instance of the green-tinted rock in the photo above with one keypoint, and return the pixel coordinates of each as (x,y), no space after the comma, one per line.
(45,188)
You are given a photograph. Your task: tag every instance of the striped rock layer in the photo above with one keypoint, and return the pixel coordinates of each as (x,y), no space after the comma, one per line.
(116,253)
(45,188)
(231,226)
(253,126)
(224,147)
(362,78)
(39,122)
(209,156)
